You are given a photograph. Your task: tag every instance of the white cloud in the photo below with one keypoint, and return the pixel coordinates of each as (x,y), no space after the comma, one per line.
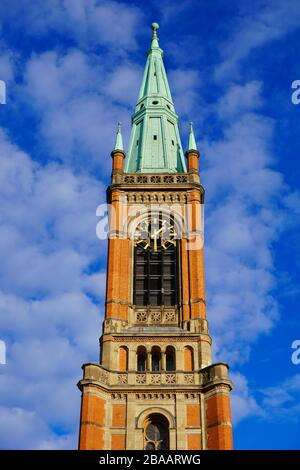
(282,400)
(123,84)
(240,99)
(184,84)
(254,28)
(243,404)
(7,66)
(48,214)
(246,213)
(89,22)
(26,430)
(47,315)
(80,104)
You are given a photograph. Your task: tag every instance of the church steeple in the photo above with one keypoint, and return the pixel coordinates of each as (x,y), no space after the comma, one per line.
(155,386)
(155,145)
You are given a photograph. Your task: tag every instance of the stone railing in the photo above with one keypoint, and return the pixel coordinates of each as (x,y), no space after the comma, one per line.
(135,178)
(97,373)
(166,316)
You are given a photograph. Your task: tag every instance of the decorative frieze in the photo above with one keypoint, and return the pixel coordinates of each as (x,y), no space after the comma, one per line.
(170,316)
(122,379)
(141,317)
(188,378)
(155,396)
(155,197)
(155,317)
(191,396)
(140,379)
(103,377)
(155,379)
(161,339)
(170,378)
(150,316)
(154,179)
(118,396)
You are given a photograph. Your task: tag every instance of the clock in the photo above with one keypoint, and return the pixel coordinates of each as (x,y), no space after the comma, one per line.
(155,234)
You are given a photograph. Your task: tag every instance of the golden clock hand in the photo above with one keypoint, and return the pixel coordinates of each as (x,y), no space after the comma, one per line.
(154,236)
(156,232)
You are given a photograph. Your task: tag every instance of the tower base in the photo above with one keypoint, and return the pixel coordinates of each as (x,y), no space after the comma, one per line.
(155,410)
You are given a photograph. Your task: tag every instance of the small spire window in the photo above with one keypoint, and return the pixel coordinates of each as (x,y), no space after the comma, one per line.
(155,137)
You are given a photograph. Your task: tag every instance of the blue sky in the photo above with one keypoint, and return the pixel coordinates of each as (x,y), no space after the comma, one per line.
(72,70)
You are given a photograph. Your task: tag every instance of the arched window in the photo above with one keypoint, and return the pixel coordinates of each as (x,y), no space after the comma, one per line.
(155,262)
(141,359)
(155,359)
(156,432)
(170,358)
(188,359)
(123,358)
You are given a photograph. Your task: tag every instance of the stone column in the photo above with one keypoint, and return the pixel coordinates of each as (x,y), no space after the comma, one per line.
(149,361)
(163,361)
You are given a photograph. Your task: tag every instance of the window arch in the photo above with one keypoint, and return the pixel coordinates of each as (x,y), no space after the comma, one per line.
(156,432)
(141,358)
(188,358)
(123,358)
(170,358)
(155,359)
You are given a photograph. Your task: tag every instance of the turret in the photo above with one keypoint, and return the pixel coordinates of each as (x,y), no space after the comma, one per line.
(192,156)
(118,155)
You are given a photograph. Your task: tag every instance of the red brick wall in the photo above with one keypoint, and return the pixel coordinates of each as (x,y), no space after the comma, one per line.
(218,416)
(91,423)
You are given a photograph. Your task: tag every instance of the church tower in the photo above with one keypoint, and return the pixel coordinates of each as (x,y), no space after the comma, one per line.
(155,386)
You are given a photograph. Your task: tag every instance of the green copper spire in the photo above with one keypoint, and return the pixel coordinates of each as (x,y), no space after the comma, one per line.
(192,142)
(155,145)
(119,140)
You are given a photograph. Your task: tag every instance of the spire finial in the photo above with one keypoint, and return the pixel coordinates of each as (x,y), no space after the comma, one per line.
(154,27)
(192,141)
(119,140)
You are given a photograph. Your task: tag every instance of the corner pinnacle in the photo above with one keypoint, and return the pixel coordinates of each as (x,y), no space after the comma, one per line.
(119,140)
(192,141)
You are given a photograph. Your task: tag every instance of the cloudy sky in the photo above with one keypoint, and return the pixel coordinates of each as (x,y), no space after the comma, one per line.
(72,70)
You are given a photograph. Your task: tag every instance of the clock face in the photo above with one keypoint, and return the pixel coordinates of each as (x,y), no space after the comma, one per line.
(155,234)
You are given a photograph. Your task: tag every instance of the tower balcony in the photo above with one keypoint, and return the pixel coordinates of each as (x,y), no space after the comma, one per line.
(209,376)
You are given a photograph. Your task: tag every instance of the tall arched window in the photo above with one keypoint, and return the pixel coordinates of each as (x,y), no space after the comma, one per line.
(123,358)
(141,358)
(170,358)
(188,359)
(155,359)
(156,432)
(155,261)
